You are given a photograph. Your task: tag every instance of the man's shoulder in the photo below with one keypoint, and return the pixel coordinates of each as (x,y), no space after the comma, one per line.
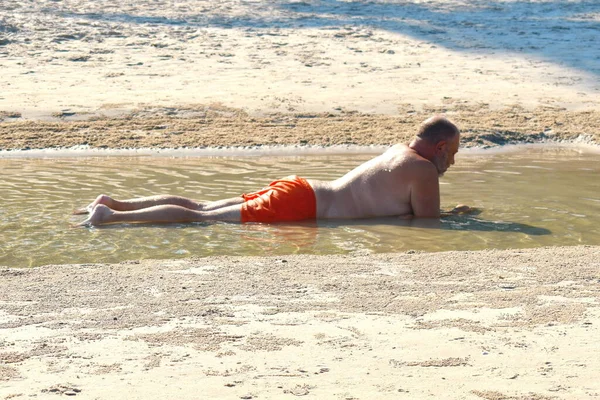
(410,157)
(414,170)
(422,167)
(404,154)
(400,148)
(412,165)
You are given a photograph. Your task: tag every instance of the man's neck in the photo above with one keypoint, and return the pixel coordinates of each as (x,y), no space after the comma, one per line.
(422,148)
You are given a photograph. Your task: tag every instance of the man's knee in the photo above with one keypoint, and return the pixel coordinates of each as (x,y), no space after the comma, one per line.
(104,199)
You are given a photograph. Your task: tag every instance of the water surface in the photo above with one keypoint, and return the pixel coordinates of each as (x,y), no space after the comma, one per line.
(542,197)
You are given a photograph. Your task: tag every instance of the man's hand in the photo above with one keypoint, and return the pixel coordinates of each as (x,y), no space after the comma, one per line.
(462,209)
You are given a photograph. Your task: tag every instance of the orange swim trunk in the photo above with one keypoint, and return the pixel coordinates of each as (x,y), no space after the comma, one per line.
(288,199)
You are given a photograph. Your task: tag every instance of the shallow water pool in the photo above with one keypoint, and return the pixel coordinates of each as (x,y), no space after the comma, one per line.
(530,198)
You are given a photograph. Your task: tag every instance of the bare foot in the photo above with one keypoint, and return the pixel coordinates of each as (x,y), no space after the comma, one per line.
(100,215)
(101,199)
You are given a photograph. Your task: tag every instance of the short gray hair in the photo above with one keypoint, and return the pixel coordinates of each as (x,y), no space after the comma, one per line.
(437,129)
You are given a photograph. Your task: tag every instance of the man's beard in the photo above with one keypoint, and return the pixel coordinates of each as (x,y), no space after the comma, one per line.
(441,163)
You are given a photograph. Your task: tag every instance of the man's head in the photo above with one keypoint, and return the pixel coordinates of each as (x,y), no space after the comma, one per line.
(438,141)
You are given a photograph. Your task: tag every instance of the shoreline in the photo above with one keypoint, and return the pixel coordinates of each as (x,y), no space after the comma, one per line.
(279,151)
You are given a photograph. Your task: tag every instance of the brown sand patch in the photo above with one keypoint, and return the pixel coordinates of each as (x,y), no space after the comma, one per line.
(204,339)
(216,126)
(460,323)
(493,395)
(260,342)
(442,362)
(556,314)
(103,369)
(8,373)
(60,389)
(12,357)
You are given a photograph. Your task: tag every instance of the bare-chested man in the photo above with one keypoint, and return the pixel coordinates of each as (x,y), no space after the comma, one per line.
(403,181)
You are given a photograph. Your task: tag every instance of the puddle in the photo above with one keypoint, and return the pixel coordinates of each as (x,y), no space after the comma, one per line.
(530,198)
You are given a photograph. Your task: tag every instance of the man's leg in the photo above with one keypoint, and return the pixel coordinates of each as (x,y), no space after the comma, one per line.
(218,204)
(152,201)
(168,213)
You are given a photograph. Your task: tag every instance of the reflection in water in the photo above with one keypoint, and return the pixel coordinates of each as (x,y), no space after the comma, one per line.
(295,237)
(522,197)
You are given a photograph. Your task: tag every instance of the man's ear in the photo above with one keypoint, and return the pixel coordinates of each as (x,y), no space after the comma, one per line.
(441,146)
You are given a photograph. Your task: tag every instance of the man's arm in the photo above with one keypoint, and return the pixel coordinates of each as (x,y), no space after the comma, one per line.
(425,192)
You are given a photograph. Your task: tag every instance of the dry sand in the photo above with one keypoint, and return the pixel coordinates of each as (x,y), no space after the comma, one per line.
(514,324)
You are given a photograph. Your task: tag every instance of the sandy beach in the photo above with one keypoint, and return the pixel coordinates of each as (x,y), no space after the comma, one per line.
(518,324)
(493,324)
(240,73)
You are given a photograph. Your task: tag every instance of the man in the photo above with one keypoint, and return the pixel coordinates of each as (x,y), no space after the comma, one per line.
(403,181)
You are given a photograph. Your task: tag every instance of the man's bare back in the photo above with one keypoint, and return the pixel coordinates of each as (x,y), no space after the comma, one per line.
(380,187)
(403,181)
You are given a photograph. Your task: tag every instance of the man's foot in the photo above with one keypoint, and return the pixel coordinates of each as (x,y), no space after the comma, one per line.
(100,215)
(101,199)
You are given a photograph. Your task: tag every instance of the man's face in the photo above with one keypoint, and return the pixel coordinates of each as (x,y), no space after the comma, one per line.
(445,153)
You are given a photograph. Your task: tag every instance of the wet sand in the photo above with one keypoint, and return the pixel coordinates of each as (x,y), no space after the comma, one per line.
(512,324)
